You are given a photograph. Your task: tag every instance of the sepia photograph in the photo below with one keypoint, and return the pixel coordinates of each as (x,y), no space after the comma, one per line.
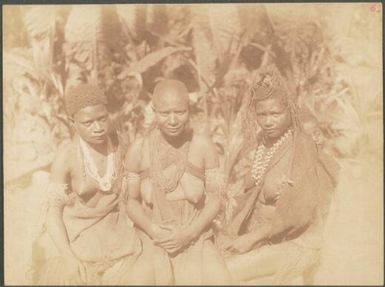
(193,144)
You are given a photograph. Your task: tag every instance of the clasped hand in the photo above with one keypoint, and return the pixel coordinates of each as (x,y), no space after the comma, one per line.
(239,245)
(170,238)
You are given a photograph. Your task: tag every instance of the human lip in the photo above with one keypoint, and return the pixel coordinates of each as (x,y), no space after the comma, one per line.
(270,131)
(174,129)
(99,137)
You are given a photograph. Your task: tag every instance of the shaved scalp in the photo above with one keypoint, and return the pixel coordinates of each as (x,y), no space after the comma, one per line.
(170,88)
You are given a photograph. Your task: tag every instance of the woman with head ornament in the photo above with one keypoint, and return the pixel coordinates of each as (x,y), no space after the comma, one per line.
(174,186)
(284,195)
(86,218)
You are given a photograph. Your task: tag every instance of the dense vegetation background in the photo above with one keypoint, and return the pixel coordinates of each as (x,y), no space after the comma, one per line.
(330,54)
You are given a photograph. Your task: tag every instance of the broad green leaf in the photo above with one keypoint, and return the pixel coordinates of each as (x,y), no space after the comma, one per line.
(151,60)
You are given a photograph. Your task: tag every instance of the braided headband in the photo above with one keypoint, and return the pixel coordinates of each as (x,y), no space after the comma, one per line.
(270,84)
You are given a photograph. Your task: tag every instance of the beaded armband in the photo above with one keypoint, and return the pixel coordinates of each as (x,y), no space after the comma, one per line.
(132,176)
(128,177)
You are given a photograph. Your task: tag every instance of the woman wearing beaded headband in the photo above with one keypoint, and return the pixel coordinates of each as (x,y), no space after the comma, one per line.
(285,194)
(86,218)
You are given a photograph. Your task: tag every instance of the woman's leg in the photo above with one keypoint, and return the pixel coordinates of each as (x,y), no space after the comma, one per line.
(136,269)
(214,267)
(265,261)
(130,270)
(51,273)
(200,264)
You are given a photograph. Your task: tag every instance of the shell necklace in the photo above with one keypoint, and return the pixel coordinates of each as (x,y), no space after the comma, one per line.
(105,182)
(263,156)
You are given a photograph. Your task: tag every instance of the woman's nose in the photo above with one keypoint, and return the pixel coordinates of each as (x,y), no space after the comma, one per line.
(172,119)
(97,126)
(269,121)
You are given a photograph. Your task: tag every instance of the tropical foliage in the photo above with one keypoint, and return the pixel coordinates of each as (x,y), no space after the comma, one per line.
(217,50)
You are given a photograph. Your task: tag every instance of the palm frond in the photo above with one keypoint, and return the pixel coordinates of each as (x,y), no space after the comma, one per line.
(92,36)
(135,18)
(41,31)
(151,60)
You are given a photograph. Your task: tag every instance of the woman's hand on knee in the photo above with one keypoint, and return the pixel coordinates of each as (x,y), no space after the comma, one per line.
(242,244)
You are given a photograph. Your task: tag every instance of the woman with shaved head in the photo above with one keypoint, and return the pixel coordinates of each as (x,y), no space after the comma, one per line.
(173,180)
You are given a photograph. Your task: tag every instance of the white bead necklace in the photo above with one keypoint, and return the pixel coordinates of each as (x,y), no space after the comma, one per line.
(263,155)
(105,182)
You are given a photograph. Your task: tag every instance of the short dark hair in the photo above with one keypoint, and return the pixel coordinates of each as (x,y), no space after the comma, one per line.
(83,95)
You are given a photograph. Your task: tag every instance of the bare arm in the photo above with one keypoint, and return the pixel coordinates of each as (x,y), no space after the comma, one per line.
(134,208)
(260,234)
(249,240)
(213,184)
(73,269)
(137,214)
(209,212)
(57,195)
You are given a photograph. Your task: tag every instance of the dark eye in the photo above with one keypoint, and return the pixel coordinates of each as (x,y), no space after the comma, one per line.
(103,119)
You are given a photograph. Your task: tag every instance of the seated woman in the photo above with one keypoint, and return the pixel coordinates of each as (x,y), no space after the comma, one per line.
(174,186)
(85,217)
(284,198)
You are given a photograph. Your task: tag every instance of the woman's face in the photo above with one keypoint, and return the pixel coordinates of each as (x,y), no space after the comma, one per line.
(273,116)
(92,124)
(172,114)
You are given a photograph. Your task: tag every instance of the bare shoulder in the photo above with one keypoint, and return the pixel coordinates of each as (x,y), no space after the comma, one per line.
(208,150)
(134,155)
(61,164)
(201,140)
